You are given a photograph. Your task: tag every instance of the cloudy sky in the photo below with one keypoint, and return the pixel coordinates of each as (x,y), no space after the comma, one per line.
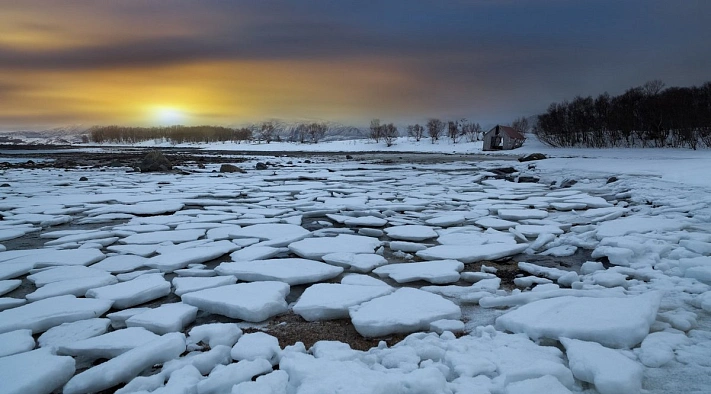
(149,62)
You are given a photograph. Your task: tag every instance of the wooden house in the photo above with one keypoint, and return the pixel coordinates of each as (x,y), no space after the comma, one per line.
(502,138)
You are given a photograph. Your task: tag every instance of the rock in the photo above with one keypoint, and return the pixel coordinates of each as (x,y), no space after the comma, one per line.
(307,161)
(568,183)
(230,168)
(532,157)
(349,157)
(260,166)
(155,161)
(612,179)
(503,171)
(528,179)
(5,185)
(83,179)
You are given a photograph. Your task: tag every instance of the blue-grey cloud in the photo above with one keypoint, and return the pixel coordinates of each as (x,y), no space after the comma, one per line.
(498,55)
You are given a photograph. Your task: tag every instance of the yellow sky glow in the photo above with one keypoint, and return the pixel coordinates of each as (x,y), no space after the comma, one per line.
(226,92)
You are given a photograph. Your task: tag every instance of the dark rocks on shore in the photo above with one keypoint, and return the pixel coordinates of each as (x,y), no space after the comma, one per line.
(532,157)
(155,161)
(612,179)
(503,170)
(231,168)
(83,179)
(528,179)
(566,183)
(261,166)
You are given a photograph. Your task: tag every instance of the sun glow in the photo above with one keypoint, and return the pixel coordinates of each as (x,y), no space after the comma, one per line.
(167,116)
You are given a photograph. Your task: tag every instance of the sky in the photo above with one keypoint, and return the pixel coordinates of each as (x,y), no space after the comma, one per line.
(158,62)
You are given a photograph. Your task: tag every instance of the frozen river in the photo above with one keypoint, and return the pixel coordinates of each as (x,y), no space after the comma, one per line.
(383,274)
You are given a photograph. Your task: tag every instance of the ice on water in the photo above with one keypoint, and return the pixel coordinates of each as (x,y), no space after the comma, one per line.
(293,271)
(44,314)
(618,322)
(639,323)
(406,310)
(438,271)
(166,318)
(38,371)
(316,248)
(108,345)
(187,285)
(326,301)
(133,292)
(255,302)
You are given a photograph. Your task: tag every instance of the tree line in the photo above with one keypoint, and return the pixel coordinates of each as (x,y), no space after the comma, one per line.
(646,116)
(266,132)
(434,129)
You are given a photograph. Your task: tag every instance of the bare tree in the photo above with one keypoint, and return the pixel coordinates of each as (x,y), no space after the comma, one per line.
(521,125)
(389,134)
(453,131)
(302,132)
(653,88)
(376,130)
(435,127)
(266,131)
(415,131)
(317,131)
(472,131)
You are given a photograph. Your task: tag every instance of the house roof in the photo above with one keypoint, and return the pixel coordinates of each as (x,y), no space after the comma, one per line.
(509,131)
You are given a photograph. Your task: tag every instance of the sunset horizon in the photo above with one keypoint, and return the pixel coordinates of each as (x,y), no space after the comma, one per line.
(232,63)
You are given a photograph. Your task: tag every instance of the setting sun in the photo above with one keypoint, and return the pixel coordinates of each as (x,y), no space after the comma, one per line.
(166,116)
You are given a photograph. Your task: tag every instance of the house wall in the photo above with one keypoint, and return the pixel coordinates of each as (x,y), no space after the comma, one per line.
(487,140)
(508,142)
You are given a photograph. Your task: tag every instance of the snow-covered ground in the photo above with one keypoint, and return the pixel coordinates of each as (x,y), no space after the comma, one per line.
(613,294)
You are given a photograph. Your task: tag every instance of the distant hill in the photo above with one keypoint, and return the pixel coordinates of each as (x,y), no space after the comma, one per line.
(64,135)
(75,134)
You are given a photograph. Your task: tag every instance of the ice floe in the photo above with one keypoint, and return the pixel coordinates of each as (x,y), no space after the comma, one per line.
(293,271)
(157,237)
(316,248)
(44,314)
(411,232)
(356,262)
(67,333)
(187,285)
(77,287)
(404,311)
(272,234)
(471,254)
(437,271)
(38,371)
(133,292)
(607,369)
(127,365)
(108,345)
(618,322)
(255,302)
(326,301)
(17,341)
